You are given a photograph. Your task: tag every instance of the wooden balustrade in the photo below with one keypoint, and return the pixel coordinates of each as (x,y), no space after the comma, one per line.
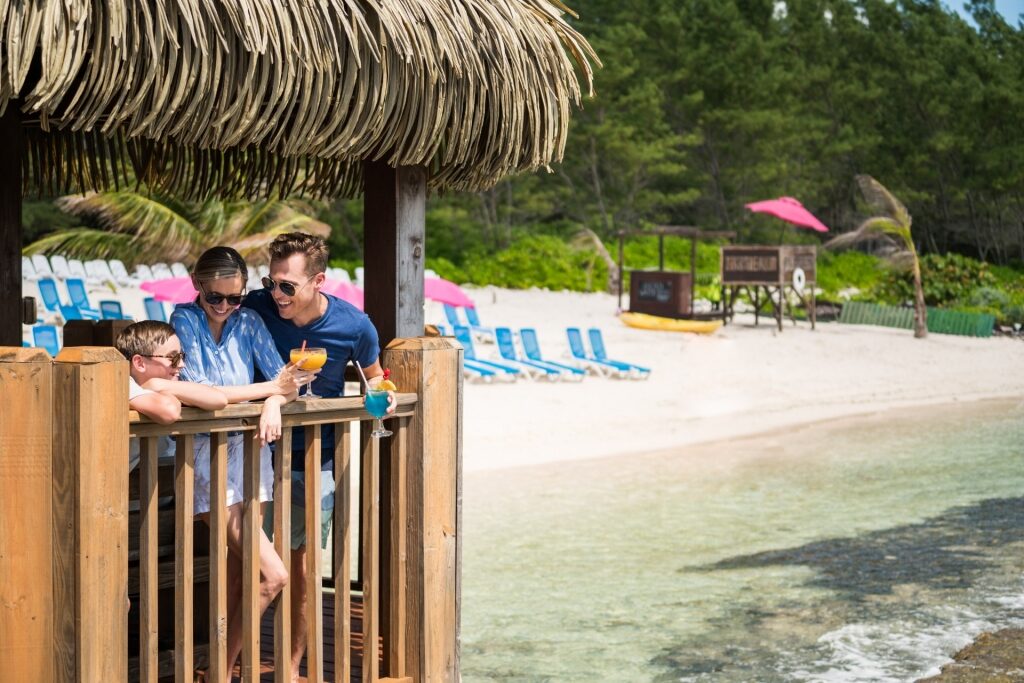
(64,428)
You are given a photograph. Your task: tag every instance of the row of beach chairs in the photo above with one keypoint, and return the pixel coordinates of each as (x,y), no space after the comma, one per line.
(519,355)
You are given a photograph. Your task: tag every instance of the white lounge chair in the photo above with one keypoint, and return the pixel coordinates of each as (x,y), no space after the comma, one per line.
(144,273)
(77,269)
(99,272)
(42,265)
(120,273)
(179,269)
(28,271)
(60,267)
(161,271)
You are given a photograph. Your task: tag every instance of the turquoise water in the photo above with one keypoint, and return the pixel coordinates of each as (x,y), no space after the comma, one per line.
(866,550)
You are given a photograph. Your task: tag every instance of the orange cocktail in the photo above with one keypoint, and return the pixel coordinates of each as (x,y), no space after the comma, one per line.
(309,358)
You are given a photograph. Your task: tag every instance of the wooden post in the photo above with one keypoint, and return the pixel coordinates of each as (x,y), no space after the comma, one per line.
(90,514)
(431,367)
(693,271)
(393,234)
(10,226)
(26,549)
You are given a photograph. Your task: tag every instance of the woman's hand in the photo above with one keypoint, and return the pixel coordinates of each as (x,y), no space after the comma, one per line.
(291,378)
(270,420)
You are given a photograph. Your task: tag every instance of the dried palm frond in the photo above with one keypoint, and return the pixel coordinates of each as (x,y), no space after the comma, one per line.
(256,98)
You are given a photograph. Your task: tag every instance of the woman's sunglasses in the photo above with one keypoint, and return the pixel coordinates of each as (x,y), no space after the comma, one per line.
(215,299)
(288,288)
(177,358)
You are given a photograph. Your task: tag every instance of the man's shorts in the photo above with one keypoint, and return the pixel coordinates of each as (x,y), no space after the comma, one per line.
(298,538)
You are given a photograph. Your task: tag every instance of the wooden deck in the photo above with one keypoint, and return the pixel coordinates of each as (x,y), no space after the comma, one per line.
(267,649)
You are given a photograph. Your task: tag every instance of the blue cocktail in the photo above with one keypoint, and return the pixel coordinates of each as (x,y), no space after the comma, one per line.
(377,405)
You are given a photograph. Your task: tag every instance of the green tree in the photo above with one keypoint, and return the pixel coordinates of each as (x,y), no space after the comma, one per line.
(893,227)
(132,226)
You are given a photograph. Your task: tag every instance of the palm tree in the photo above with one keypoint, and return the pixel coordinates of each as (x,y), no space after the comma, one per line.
(892,227)
(133,227)
(588,239)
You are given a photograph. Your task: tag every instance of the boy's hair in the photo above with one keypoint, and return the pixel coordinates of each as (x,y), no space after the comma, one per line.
(142,338)
(314,248)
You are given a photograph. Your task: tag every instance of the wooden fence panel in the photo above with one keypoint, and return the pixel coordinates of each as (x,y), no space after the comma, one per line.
(149,551)
(184,487)
(26,515)
(342,553)
(218,556)
(90,453)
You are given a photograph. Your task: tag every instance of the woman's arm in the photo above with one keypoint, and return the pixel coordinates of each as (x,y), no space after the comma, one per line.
(270,417)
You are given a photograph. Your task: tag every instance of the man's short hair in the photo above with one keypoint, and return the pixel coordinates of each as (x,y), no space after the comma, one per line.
(313,247)
(142,338)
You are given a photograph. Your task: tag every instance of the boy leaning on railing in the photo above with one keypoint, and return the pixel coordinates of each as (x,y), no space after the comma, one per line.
(155,359)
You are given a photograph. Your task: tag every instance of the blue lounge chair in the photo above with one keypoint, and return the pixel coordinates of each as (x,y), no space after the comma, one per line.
(465,337)
(79,298)
(597,344)
(472,369)
(452,315)
(531,349)
(474,324)
(507,349)
(45,336)
(579,352)
(111,310)
(155,309)
(48,290)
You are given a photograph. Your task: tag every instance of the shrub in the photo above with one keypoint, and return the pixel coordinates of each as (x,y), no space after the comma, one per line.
(539,261)
(848,269)
(947,279)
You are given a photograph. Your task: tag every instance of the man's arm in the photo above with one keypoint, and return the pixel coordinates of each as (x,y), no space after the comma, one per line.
(189,393)
(161,408)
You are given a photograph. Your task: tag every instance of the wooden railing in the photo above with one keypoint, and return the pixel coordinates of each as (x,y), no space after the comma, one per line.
(64,428)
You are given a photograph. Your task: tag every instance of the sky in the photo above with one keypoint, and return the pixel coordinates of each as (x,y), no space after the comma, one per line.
(1011,9)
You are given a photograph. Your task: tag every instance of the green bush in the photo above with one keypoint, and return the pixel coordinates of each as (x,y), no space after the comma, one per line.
(848,269)
(947,279)
(539,261)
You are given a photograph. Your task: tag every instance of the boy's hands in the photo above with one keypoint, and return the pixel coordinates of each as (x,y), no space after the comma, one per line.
(291,378)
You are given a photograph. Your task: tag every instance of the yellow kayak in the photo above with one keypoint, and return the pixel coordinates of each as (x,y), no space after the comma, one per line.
(653,322)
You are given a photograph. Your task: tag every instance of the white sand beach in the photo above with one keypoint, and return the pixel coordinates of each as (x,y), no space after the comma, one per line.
(739,381)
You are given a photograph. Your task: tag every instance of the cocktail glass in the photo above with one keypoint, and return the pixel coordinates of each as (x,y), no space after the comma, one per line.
(377,405)
(309,358)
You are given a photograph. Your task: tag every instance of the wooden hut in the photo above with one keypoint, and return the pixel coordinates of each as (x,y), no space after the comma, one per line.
(253,98)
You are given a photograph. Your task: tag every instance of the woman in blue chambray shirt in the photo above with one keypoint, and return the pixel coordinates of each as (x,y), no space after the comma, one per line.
(224,343)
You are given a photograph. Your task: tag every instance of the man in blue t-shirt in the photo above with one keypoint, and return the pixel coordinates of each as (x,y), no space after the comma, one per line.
(297,312)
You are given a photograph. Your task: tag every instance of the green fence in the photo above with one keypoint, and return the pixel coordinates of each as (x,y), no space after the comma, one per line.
(940,321)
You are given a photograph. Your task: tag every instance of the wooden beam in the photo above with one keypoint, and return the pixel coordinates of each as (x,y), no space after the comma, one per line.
(432,367)
(90,514)
(26,481)
(394,230)
(10,226)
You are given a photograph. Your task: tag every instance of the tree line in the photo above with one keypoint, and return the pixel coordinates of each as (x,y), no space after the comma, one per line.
(704,105)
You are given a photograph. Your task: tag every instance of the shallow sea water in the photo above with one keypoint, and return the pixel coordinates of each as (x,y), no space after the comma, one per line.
(867,549)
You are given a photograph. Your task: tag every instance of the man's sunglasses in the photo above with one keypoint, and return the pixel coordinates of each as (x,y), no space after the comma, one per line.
(215,299)
(288,288)
(177,358)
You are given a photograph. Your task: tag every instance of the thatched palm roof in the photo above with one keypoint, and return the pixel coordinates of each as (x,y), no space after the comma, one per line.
(256,97)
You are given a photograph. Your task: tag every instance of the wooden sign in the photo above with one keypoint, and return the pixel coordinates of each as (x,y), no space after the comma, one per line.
(762,265)
(662,293)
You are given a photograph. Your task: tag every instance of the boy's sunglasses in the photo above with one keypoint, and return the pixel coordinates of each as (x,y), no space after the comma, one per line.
(288,288)
(215,299)
(177,358)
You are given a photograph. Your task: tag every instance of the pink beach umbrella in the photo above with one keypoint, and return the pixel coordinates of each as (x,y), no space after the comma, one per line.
(177,290)
(344,290)
(789,210)
(446,292)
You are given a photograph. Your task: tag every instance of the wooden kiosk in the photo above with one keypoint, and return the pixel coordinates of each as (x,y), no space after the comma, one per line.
(766,273)
(666,293)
